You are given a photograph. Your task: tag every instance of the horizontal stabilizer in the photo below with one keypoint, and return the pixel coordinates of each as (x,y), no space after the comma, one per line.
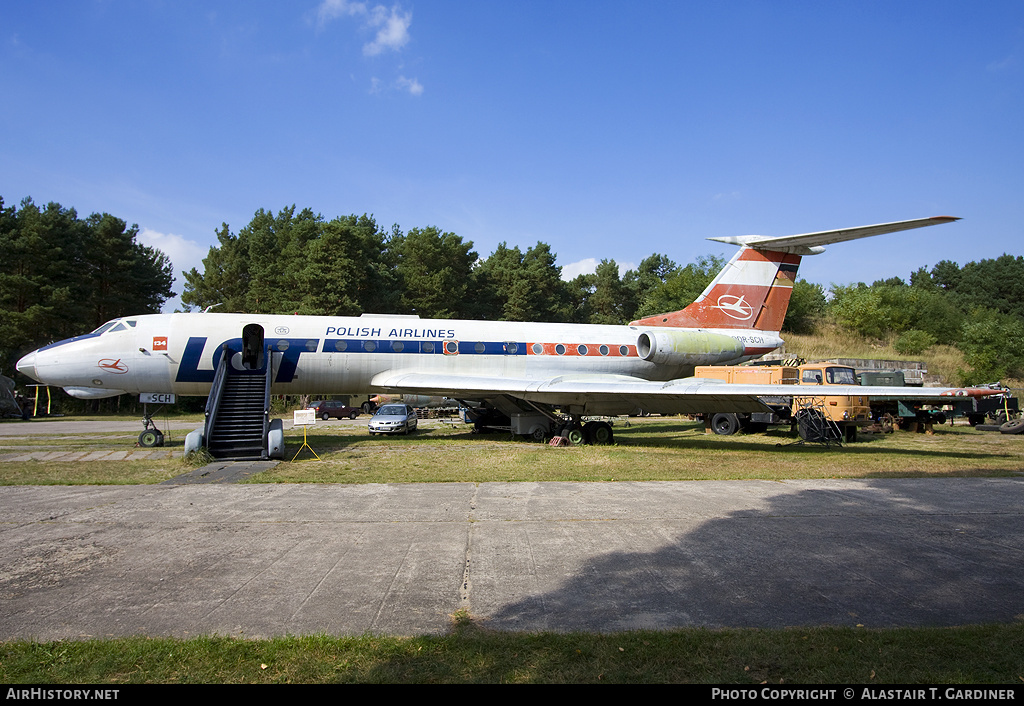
(811,243)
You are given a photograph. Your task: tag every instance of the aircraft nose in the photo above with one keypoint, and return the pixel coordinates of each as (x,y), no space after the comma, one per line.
(27,366)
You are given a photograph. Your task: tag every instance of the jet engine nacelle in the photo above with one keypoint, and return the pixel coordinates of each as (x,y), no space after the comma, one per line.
(687,347)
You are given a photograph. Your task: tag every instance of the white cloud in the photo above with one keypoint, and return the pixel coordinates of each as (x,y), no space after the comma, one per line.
(392,32)
(183,253)
(410,84)
(582,267)
(588,266)
(1007,63)
(333,9)
(392,26)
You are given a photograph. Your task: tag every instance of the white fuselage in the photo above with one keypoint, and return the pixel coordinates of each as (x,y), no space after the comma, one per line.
(323,355)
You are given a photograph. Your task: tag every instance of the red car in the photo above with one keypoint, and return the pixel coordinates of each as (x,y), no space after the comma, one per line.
(325,409)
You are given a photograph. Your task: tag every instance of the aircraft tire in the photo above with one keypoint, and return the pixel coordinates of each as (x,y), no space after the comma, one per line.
(151,438)
(1015,426)
(725,424)
(598,433)
(575,436)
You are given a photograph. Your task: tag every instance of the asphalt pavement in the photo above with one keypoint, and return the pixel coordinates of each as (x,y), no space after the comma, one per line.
(400,559)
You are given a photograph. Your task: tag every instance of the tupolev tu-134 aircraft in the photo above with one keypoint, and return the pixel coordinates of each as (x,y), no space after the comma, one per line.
(543,376)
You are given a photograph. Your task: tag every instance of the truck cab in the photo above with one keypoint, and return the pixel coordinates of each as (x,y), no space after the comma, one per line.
(841,409)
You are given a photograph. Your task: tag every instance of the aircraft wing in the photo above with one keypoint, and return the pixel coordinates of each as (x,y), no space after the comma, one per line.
(610,394)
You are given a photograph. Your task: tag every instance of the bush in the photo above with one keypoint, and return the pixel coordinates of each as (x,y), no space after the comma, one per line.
(914,342)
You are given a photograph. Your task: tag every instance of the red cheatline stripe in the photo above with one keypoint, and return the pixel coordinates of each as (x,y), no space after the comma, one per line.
(573,349)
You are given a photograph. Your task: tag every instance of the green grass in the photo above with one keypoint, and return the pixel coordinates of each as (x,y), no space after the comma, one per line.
(472,654)
(469,653)
(649,449)
(655,448)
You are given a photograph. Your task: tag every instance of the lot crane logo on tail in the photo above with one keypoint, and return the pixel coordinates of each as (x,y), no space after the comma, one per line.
(734,306)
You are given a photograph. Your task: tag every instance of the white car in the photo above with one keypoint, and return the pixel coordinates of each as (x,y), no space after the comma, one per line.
(393,419)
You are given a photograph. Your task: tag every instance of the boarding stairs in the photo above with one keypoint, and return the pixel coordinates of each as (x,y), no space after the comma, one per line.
(238,412)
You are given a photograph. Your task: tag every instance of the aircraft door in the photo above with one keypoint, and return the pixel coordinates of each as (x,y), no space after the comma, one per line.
(152,366)
(253,349)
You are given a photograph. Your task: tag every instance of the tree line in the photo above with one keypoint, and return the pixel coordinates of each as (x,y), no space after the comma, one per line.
(61,275)
(299,262)
(979,308)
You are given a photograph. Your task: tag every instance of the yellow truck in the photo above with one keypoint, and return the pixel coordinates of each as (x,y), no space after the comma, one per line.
(813,411)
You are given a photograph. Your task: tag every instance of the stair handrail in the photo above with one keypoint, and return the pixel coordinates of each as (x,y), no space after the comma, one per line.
(216,389)
(268,357)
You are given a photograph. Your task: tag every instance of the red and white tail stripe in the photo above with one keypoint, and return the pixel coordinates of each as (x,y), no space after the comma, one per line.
(751,292)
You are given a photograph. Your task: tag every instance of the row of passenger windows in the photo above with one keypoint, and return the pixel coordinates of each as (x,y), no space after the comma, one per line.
(452,347)
(581,349)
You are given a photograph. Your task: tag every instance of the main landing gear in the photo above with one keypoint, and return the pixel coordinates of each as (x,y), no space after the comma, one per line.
(577,433)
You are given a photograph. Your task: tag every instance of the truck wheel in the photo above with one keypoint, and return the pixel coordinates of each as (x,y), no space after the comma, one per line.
(725,424)
(1013,427)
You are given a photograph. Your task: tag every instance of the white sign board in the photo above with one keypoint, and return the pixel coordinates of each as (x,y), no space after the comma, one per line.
(304,417)
(157,397)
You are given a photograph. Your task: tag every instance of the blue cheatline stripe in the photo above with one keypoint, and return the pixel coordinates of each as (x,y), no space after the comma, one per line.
(83,337)
(374,345)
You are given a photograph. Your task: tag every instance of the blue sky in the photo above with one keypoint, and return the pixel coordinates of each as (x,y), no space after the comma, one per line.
(607,130)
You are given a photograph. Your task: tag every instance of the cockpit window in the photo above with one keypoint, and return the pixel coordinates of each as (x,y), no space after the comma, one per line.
(115,325)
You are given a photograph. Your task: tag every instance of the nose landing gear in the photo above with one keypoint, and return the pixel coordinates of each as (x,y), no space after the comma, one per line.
(150,436)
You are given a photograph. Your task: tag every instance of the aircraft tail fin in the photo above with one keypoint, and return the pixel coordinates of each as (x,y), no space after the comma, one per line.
(753,290)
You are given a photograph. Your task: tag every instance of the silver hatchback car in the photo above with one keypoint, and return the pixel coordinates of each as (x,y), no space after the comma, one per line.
(393,419)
